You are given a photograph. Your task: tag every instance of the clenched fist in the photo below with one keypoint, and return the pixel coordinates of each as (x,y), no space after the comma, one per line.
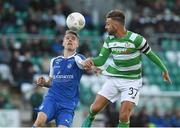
(41,81)
(88,63)
(166,77)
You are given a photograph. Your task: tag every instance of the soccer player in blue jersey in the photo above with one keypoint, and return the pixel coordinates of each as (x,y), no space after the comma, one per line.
(64,78)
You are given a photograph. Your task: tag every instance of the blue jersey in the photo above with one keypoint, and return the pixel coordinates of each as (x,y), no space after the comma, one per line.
(66,74)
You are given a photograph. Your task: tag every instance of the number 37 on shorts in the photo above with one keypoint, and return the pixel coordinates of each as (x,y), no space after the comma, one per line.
(133,92)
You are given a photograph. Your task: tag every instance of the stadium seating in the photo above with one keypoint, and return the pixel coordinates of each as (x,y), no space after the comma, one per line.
(170,58)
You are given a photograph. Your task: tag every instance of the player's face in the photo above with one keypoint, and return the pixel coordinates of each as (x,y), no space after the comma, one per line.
(70,42)
(111,27)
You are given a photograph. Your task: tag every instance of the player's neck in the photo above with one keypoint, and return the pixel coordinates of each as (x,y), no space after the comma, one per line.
(121,32)
(68,53)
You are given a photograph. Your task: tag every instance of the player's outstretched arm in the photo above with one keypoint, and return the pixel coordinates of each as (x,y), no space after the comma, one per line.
(87,64)
(84,64)
(43,83)
(102,57)
(153,57)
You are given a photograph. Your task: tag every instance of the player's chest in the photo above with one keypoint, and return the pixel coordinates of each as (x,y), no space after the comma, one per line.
(122,47)
(64,66)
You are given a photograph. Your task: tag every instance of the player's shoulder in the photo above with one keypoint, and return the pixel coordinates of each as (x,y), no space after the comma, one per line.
(109,38)
(80,55)
(57,58)
(133,35)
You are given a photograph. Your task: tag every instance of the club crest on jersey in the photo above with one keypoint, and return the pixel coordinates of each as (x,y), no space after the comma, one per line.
(127,45)
(69,65)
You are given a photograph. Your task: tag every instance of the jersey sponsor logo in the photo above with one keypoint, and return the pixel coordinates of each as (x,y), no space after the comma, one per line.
(121,44)
(127,51)
(121,50)
(118,50)
(63,76)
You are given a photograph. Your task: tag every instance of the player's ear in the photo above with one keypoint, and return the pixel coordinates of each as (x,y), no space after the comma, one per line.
(77,45)
(63,42)
(115,23)
(78,42)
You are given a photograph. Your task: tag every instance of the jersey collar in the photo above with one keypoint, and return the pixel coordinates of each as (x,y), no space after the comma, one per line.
(69,56)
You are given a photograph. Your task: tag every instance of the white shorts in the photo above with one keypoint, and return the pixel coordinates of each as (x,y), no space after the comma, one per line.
(118,88)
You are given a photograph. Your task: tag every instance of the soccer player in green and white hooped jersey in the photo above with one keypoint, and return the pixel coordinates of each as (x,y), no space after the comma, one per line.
(125,79)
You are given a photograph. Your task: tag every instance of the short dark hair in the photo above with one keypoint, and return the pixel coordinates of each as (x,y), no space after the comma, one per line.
(72,32)
(116,15)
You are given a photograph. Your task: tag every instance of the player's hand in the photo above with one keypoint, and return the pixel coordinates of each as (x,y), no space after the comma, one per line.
(41,81)
(166,77)
(96,70)
(84,65)
(88,63)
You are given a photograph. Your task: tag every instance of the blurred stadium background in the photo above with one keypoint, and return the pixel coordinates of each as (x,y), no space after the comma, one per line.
(31,33)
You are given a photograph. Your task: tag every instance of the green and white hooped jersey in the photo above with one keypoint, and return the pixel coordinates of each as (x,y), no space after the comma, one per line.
(126,53)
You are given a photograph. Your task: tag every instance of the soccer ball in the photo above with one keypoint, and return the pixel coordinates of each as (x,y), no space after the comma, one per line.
(75,21)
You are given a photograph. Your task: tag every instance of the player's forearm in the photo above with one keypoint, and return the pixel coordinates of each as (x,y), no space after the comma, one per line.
(153,57)
(101,59)
(98,61)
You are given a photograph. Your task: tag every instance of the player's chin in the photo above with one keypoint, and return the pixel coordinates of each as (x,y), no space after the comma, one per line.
(71,48)
(111,33)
